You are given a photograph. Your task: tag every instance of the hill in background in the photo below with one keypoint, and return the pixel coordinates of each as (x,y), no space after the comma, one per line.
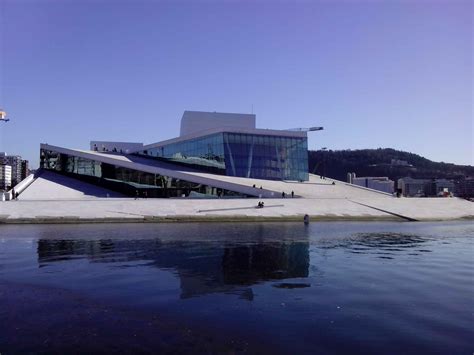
(388,162)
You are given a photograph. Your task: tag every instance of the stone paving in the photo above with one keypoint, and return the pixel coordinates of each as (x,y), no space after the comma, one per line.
(72,201)
(130,209)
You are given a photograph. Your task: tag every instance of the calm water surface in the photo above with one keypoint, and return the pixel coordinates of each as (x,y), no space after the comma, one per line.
(274,287)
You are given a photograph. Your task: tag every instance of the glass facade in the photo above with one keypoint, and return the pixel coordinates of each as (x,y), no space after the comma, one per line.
(126,181)
(266,157)
(240,154)
(203,153)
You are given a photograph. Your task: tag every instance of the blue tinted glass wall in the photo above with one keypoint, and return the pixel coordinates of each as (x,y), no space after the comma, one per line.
(203,153)
(240,154)
(266,157)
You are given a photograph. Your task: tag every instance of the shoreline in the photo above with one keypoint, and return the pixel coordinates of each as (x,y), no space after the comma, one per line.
(216,219)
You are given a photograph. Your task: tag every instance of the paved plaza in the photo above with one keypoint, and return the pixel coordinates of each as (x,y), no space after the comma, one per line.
(56,198)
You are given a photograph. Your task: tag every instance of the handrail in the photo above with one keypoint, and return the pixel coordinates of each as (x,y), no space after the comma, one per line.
(22,185)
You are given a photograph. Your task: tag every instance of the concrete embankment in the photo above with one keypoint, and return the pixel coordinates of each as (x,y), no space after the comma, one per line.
(115,210)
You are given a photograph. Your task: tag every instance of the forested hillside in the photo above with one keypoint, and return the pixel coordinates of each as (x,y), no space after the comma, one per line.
(378,162)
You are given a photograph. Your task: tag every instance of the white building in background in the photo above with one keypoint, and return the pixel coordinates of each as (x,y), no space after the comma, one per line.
(19,167)
(5,176)
(379,183)
(14,161)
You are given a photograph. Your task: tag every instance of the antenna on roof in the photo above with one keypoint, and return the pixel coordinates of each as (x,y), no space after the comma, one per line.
(309,129)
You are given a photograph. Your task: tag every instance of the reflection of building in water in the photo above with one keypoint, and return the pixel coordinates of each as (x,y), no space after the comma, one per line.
(246,265)
(202,267)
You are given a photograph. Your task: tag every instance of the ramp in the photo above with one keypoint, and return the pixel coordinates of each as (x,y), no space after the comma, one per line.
(49,185)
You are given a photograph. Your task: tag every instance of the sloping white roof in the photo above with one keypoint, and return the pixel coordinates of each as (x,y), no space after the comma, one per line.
(165,169)
(314,188)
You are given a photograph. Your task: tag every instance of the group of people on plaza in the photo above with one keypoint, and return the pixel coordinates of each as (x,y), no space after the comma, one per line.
(283,194)
(104,149)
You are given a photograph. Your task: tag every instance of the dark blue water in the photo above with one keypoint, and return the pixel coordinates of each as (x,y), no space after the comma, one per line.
(223,288)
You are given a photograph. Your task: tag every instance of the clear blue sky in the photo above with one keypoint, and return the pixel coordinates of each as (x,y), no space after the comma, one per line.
(375,74)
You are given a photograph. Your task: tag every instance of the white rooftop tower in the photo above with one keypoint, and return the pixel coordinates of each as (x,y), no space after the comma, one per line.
(196,121)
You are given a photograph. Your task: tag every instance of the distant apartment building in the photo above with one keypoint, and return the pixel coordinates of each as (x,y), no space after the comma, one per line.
(411,187)
(19,167)
(5,177)
(380,183)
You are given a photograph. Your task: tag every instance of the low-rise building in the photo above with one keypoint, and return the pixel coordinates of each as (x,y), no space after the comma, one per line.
(464,187)
(411,187)
(441,187)
(380,183)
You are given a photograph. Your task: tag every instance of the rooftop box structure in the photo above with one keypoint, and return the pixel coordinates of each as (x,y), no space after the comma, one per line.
(196,121)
